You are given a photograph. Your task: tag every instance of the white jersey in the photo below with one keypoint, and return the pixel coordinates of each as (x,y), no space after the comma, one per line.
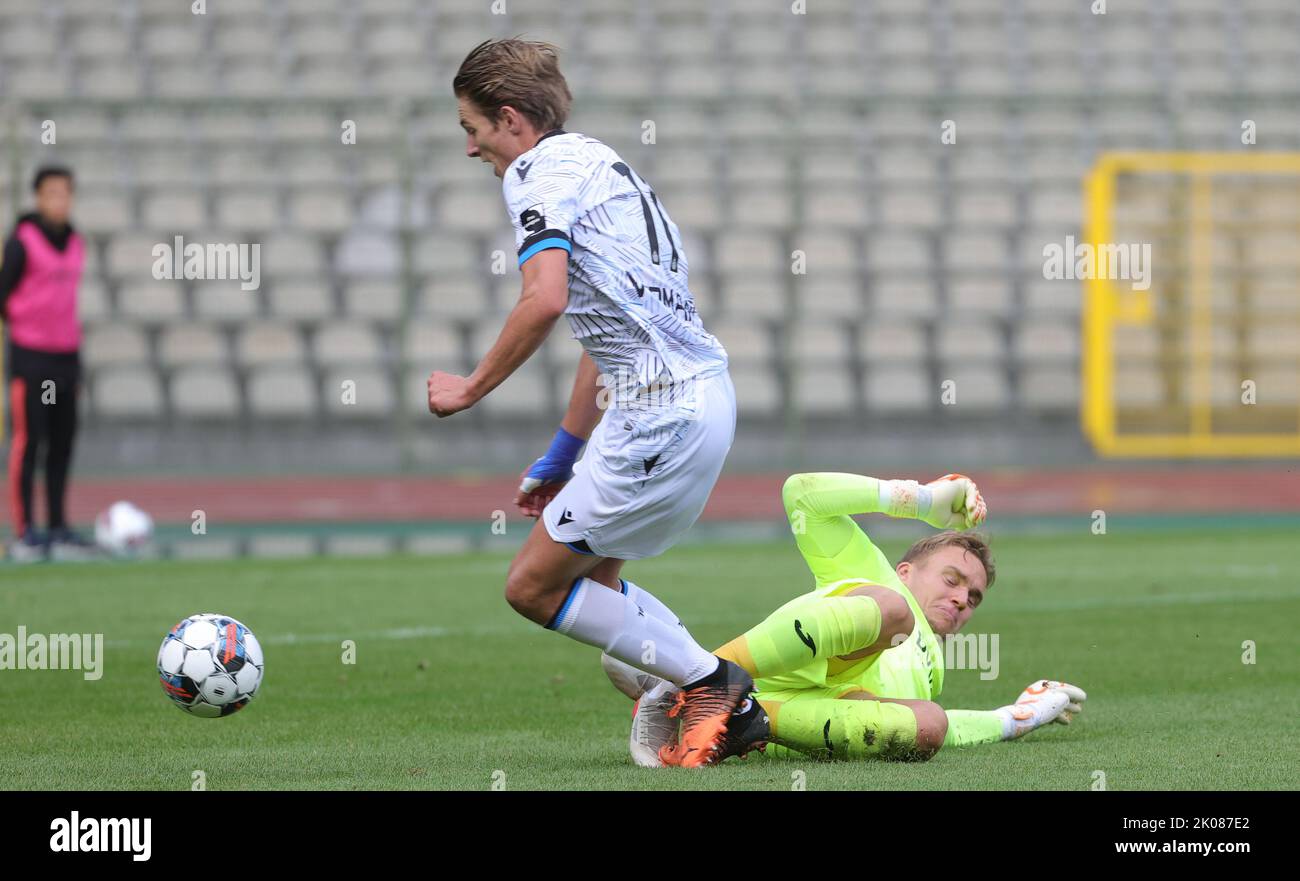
(629,303)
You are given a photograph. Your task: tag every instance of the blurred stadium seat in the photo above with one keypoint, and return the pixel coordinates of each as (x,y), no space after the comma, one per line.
(923,261)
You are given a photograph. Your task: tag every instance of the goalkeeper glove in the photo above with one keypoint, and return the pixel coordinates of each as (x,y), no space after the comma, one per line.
(1045,701)
(955,503)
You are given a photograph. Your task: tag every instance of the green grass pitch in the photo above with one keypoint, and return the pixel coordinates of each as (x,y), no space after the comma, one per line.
(452,690)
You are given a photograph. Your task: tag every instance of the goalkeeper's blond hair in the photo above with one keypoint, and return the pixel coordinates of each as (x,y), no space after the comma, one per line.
(972,542)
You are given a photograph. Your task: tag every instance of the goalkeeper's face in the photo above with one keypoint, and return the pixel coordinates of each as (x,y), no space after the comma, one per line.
(948,584)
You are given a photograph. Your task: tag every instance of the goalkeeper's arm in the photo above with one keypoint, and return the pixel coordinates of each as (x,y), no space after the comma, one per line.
(951,502)
(1044,702)
(819,506)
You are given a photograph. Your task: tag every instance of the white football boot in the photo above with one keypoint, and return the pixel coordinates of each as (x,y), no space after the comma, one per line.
(626,678)
(651,726)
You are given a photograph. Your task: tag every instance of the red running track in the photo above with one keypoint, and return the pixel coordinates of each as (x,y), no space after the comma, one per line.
(736,497)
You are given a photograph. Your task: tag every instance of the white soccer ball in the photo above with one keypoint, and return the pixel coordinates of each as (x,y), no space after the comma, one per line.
(122,529)
(210,665)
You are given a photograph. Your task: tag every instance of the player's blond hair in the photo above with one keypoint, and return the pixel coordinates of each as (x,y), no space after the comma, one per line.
(522,74)
(972,542)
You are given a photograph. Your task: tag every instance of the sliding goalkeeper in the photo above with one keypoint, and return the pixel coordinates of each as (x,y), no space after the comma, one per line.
(851,669)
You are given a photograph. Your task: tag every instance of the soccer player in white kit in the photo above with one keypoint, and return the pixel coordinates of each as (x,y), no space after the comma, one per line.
(652,399)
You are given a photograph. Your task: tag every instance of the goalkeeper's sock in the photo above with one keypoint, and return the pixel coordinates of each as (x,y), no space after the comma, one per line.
(843,729)
(789,639)
(972,727)
(596,615)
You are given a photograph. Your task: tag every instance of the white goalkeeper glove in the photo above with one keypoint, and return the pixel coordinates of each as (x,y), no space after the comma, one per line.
(1041,703)
(955,503)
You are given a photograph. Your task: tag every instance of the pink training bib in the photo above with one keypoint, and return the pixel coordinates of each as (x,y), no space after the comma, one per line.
(42,309)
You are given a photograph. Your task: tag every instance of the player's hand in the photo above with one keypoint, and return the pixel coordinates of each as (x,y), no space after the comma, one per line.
(449,393)
(955,503)
(535,495)
(1046,701)
(548,475)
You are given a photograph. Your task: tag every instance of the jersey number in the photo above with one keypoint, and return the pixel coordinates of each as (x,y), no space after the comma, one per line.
(651,233)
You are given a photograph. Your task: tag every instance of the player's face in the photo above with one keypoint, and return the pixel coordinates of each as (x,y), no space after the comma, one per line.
(485,140)
(948,585)
(54,199)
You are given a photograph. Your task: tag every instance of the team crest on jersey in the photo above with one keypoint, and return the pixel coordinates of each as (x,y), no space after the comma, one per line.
(532,219)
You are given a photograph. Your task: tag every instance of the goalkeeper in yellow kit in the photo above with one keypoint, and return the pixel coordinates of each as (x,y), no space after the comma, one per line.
(851,669)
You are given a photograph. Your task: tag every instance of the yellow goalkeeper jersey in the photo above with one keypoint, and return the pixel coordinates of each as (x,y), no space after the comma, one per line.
(842,557)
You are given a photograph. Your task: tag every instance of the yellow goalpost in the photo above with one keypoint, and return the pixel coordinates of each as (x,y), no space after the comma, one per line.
(1203,358)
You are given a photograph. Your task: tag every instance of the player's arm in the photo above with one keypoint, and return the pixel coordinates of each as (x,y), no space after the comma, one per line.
(543,206)
(542,301)
(584,408)
(543,298)
(11,269)
(1042,703)
(545,477)
(820,504)
(952,501)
